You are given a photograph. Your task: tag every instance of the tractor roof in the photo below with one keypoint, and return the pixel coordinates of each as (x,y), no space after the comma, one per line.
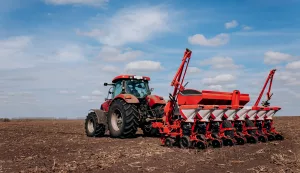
(127,76)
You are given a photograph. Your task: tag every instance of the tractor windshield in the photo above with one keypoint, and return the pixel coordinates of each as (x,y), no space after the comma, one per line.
(138,88)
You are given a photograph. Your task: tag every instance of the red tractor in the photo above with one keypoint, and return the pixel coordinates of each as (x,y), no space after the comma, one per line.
(128,106)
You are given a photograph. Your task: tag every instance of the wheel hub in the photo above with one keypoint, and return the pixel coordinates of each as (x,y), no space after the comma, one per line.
(228,142)
(279,137)
(240,141)
(116,120)
(271,137)
(262,138)
(201,145)
(185,142)
(91,126)
(216,143)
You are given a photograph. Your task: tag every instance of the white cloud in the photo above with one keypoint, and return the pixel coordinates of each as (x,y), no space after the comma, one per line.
(220,62)
(85,97)
(97,93)
(14,53)
(110,68)
(95,96)
(78,2)
(132,25)
(14,43)
(287,78)
(91,99)
(246,28)
(293,65)
(143,66)
(20,93)
(219,79)
(112,54)
(92,33)
(69,53)
(218,40)
(231,24)
(193,70)
(216,87)
(67,92)
(230,86)
(272,57)
(28,52)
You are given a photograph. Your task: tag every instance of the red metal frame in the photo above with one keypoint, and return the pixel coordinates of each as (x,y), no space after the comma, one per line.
(220,100)
(269,78)
(169,108)
(271,133)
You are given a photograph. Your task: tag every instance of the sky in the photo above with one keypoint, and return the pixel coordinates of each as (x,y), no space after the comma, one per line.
(56,54)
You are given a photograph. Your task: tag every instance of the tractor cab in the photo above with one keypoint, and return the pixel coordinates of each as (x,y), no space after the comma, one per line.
(129,84)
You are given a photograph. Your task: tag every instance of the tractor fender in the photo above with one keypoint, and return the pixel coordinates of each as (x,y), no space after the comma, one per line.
(129,98)
(101,116)
(154,99)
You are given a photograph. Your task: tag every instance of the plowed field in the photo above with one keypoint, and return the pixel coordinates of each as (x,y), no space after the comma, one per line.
(61,146)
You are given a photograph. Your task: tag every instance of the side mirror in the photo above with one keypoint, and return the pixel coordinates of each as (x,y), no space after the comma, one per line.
(105,84)
(151,89)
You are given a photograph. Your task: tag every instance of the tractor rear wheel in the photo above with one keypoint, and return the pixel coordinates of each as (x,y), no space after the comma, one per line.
(122,119)
(92,127)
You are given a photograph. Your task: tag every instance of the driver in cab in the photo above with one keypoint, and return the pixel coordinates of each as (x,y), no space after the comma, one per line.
(133,89)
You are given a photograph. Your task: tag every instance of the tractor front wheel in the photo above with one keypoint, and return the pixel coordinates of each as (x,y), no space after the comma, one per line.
(122,119)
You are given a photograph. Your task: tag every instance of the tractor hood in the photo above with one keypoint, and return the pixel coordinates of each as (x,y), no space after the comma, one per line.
(154,99)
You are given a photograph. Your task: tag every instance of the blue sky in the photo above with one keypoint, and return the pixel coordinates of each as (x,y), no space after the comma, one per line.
(56,54)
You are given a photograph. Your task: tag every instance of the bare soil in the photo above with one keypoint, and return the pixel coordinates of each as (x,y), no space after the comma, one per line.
(61,146)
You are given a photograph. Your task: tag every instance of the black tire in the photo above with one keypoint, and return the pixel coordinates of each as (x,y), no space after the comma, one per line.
(228,142)
(185,142)
(240,141)
(271,137)
(129,117)
(169,142)
(279,137)
(92,128)
(227,124)
(201,145)
(262,138)
(249,123)
(216,143)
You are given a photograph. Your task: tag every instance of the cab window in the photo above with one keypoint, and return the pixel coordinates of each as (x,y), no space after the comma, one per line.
(117,89)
